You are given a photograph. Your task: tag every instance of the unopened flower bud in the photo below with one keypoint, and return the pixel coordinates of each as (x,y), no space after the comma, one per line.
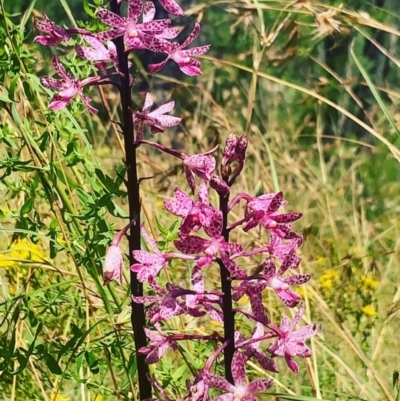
(229,150)
(112,269)
(240,149)
(219,185)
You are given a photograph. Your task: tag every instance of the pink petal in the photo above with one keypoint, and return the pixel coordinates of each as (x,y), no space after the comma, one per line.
(218,383)
(58,103)
(238,371)
(165,108)
(190,71)
(214,226)
(196,51)
(297,279)
(203,192)
(229,149)
(48,41)
(148,102)
(297,317)
(189,177)
(232,267)
(182,206)
(149,240)
(157,67)
(134,10)
(86,101)
(51,83)
(192,36)
(149,11)
(291,363)
(260,385)
(111,19)
(112,268)
(172,7)
(145,257)
(287,217)
(60,69)
(275,202)
(192,244)
(169,121)
(289,298)
(156,26)
(110,34)
(169,33)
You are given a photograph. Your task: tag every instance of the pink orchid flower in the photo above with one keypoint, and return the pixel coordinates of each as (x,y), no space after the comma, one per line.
(290,342)
(183,58)
(195,214)
(191,244)
(102,54)
(251,348)
(158,345)
(149,264)
(202,164)
(156,119)
(281,285)
(263,210)
(239,391)
(54,34)
(136,35)
(68,87)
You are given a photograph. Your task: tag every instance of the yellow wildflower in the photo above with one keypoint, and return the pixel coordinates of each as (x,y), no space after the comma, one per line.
(59,397)
(22,250)
(103,151)
(369,310)
(6,261)
(369,283)
(304,290)
(329,278)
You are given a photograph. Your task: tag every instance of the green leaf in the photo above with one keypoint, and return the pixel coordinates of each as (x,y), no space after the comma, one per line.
(178,373)
(92,362)
(27,206)
(161,227)
(52,364)
(4,95)
(375,93)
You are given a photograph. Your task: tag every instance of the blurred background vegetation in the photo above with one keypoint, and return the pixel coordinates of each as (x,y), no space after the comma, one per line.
(315,85)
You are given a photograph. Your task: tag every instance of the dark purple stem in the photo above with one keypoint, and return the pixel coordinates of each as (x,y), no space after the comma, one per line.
(137,314)
(226,286)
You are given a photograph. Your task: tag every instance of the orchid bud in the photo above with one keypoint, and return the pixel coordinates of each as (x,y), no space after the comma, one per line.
(229,150)
(240,149)
(112,269)
(219,185)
